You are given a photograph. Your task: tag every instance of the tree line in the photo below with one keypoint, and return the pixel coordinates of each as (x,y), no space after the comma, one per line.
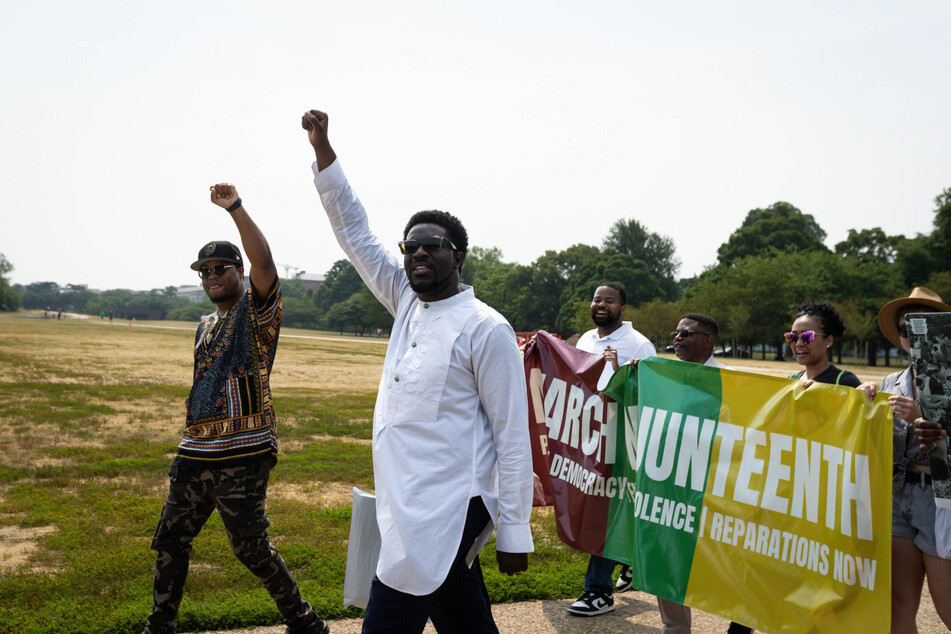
(772,262)
(777,259)
(119,303)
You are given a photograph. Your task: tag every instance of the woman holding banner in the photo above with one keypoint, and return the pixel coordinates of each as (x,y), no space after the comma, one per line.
(914,552)
(811,337)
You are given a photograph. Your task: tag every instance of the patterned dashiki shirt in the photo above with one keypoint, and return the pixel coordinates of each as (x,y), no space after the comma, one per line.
(230,416)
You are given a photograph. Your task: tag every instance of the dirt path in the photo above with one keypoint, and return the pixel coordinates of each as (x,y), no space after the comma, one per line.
(634,612)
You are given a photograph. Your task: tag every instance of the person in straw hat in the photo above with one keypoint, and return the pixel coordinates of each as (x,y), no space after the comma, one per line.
(914,553)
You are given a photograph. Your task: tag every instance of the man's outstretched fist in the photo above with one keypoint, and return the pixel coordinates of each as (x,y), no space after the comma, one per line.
(315,122)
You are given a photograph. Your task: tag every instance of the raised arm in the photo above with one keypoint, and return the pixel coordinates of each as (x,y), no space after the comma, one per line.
(379,268)
(316,122)
(263,271)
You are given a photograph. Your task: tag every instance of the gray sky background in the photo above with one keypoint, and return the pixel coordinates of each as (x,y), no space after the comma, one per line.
(537,123)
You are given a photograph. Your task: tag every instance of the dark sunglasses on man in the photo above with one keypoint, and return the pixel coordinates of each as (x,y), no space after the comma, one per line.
(430,243)
(218,269)
(686,332)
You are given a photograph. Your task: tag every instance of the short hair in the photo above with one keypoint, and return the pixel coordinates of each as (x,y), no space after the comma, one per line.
(617,287)
(452,225)
(704,320)
(828,317)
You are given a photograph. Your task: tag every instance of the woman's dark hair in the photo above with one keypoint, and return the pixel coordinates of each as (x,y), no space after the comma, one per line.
(829,318)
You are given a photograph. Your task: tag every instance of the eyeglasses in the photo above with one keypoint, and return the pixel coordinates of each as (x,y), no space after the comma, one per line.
(686,332)
(218,269)
(903,330)
(430,243)
(807,336)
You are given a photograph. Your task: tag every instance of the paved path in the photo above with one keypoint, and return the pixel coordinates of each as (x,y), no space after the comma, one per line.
(636,612)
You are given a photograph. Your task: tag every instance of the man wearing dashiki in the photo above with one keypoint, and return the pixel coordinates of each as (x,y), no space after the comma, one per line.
(230,441)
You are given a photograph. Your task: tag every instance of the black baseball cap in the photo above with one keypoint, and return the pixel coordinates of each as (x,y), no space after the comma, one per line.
(218,250)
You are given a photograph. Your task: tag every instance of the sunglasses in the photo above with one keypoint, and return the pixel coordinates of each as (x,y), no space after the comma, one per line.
(686,332)
(430,243)
(218,269)
(903,330)
(807,336)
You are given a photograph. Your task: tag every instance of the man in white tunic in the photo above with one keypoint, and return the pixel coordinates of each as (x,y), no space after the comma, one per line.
(451,453)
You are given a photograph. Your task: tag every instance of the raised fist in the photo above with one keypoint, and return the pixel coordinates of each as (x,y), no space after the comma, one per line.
(223,194)
(315,122)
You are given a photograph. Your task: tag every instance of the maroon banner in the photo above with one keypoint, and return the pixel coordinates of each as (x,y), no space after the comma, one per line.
(573,438)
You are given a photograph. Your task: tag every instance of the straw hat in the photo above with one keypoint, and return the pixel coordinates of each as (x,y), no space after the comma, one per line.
(920,296)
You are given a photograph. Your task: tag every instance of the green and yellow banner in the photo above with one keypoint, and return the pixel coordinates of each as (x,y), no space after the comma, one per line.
(753,498)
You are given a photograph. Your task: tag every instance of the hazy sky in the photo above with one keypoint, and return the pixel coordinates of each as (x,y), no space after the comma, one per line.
(537,123)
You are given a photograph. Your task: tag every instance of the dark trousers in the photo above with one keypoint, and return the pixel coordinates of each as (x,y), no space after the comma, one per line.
(597,578)
(460,604)
(239,494)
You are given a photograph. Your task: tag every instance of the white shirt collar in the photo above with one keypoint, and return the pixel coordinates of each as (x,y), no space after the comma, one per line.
(618,333)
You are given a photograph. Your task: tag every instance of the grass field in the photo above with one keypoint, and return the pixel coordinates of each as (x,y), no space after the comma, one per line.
(89,420)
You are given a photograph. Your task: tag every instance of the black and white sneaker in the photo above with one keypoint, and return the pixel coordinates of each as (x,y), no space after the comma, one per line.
(625,580)
(592,604)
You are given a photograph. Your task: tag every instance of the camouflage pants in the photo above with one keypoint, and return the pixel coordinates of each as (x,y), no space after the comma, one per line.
(239,494)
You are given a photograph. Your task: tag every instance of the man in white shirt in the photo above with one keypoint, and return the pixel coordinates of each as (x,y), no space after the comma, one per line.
(451,453)
(619,343)
(615,339)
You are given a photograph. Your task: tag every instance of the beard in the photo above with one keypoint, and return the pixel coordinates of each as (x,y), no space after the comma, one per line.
(225,293)
(607,319)
(432,287)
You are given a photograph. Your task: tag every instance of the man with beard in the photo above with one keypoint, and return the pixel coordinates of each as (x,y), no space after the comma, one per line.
(230,441)
(451,453)
(619,343)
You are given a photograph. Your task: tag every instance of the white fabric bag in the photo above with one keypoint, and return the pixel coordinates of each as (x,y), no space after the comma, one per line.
(363,550)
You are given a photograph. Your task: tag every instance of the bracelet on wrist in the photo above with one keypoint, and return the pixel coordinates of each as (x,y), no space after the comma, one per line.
(234,205)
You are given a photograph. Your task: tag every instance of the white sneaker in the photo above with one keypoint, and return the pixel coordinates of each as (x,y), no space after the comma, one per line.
(625,580)
(592,604)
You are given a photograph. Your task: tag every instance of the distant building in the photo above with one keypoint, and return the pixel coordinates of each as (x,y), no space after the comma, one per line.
(194,294)
(69,288)
(311,280)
